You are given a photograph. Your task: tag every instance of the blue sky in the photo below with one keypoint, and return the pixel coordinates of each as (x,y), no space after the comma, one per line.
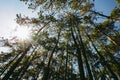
(105,6)
(9,9)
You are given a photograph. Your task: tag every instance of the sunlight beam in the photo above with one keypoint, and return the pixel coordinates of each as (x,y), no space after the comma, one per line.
(22,33)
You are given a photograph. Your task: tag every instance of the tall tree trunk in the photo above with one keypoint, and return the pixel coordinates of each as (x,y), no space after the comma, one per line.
(103,59)
(109,38)
(47,69)
(8,65)
(29,59)
(66,63)
(13,67)
(115,62)
(84,54)
(26,64)
(80,61)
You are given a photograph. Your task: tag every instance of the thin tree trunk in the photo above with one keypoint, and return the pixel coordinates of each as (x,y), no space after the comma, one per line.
(80,61)
(115,62)
(103,59)
(47,69)
(84,54)
(26,65)
(108,17)
(66,64)
(13,67)
(8,65)
(109,38)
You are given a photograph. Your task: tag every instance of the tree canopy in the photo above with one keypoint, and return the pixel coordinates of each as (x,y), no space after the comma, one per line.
(69,42)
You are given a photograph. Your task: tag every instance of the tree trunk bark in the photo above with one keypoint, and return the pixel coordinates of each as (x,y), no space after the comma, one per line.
(84,54)
(8,65)
(66,64)
(47,69)
(103,59)
(80,61)
(13,67)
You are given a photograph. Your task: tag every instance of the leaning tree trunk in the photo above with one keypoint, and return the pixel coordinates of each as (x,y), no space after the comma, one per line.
(103,59)
(9,64)
(108,37)
(26,65)
(47,69)
(115,62)
(13,67)
(108,17)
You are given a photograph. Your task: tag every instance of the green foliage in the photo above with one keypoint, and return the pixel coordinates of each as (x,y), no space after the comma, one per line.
(68,43)
(115,13)
(118,1)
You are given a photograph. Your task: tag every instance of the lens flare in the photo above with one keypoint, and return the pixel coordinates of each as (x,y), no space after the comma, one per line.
(22,33)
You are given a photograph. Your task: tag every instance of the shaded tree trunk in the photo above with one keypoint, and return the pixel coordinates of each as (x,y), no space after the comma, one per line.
(13,67)
(8,65)
(80,61)
(102,60)
(26,65)
(66,64)
(108,37)
(47,69)
(84,54)
(108,17)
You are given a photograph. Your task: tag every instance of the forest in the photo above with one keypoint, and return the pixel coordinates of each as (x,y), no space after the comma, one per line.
(70,40)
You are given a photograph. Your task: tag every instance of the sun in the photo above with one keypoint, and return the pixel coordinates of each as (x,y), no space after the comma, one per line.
(22,33)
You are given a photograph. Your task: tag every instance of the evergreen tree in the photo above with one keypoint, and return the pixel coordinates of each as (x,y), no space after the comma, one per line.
(68,43)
